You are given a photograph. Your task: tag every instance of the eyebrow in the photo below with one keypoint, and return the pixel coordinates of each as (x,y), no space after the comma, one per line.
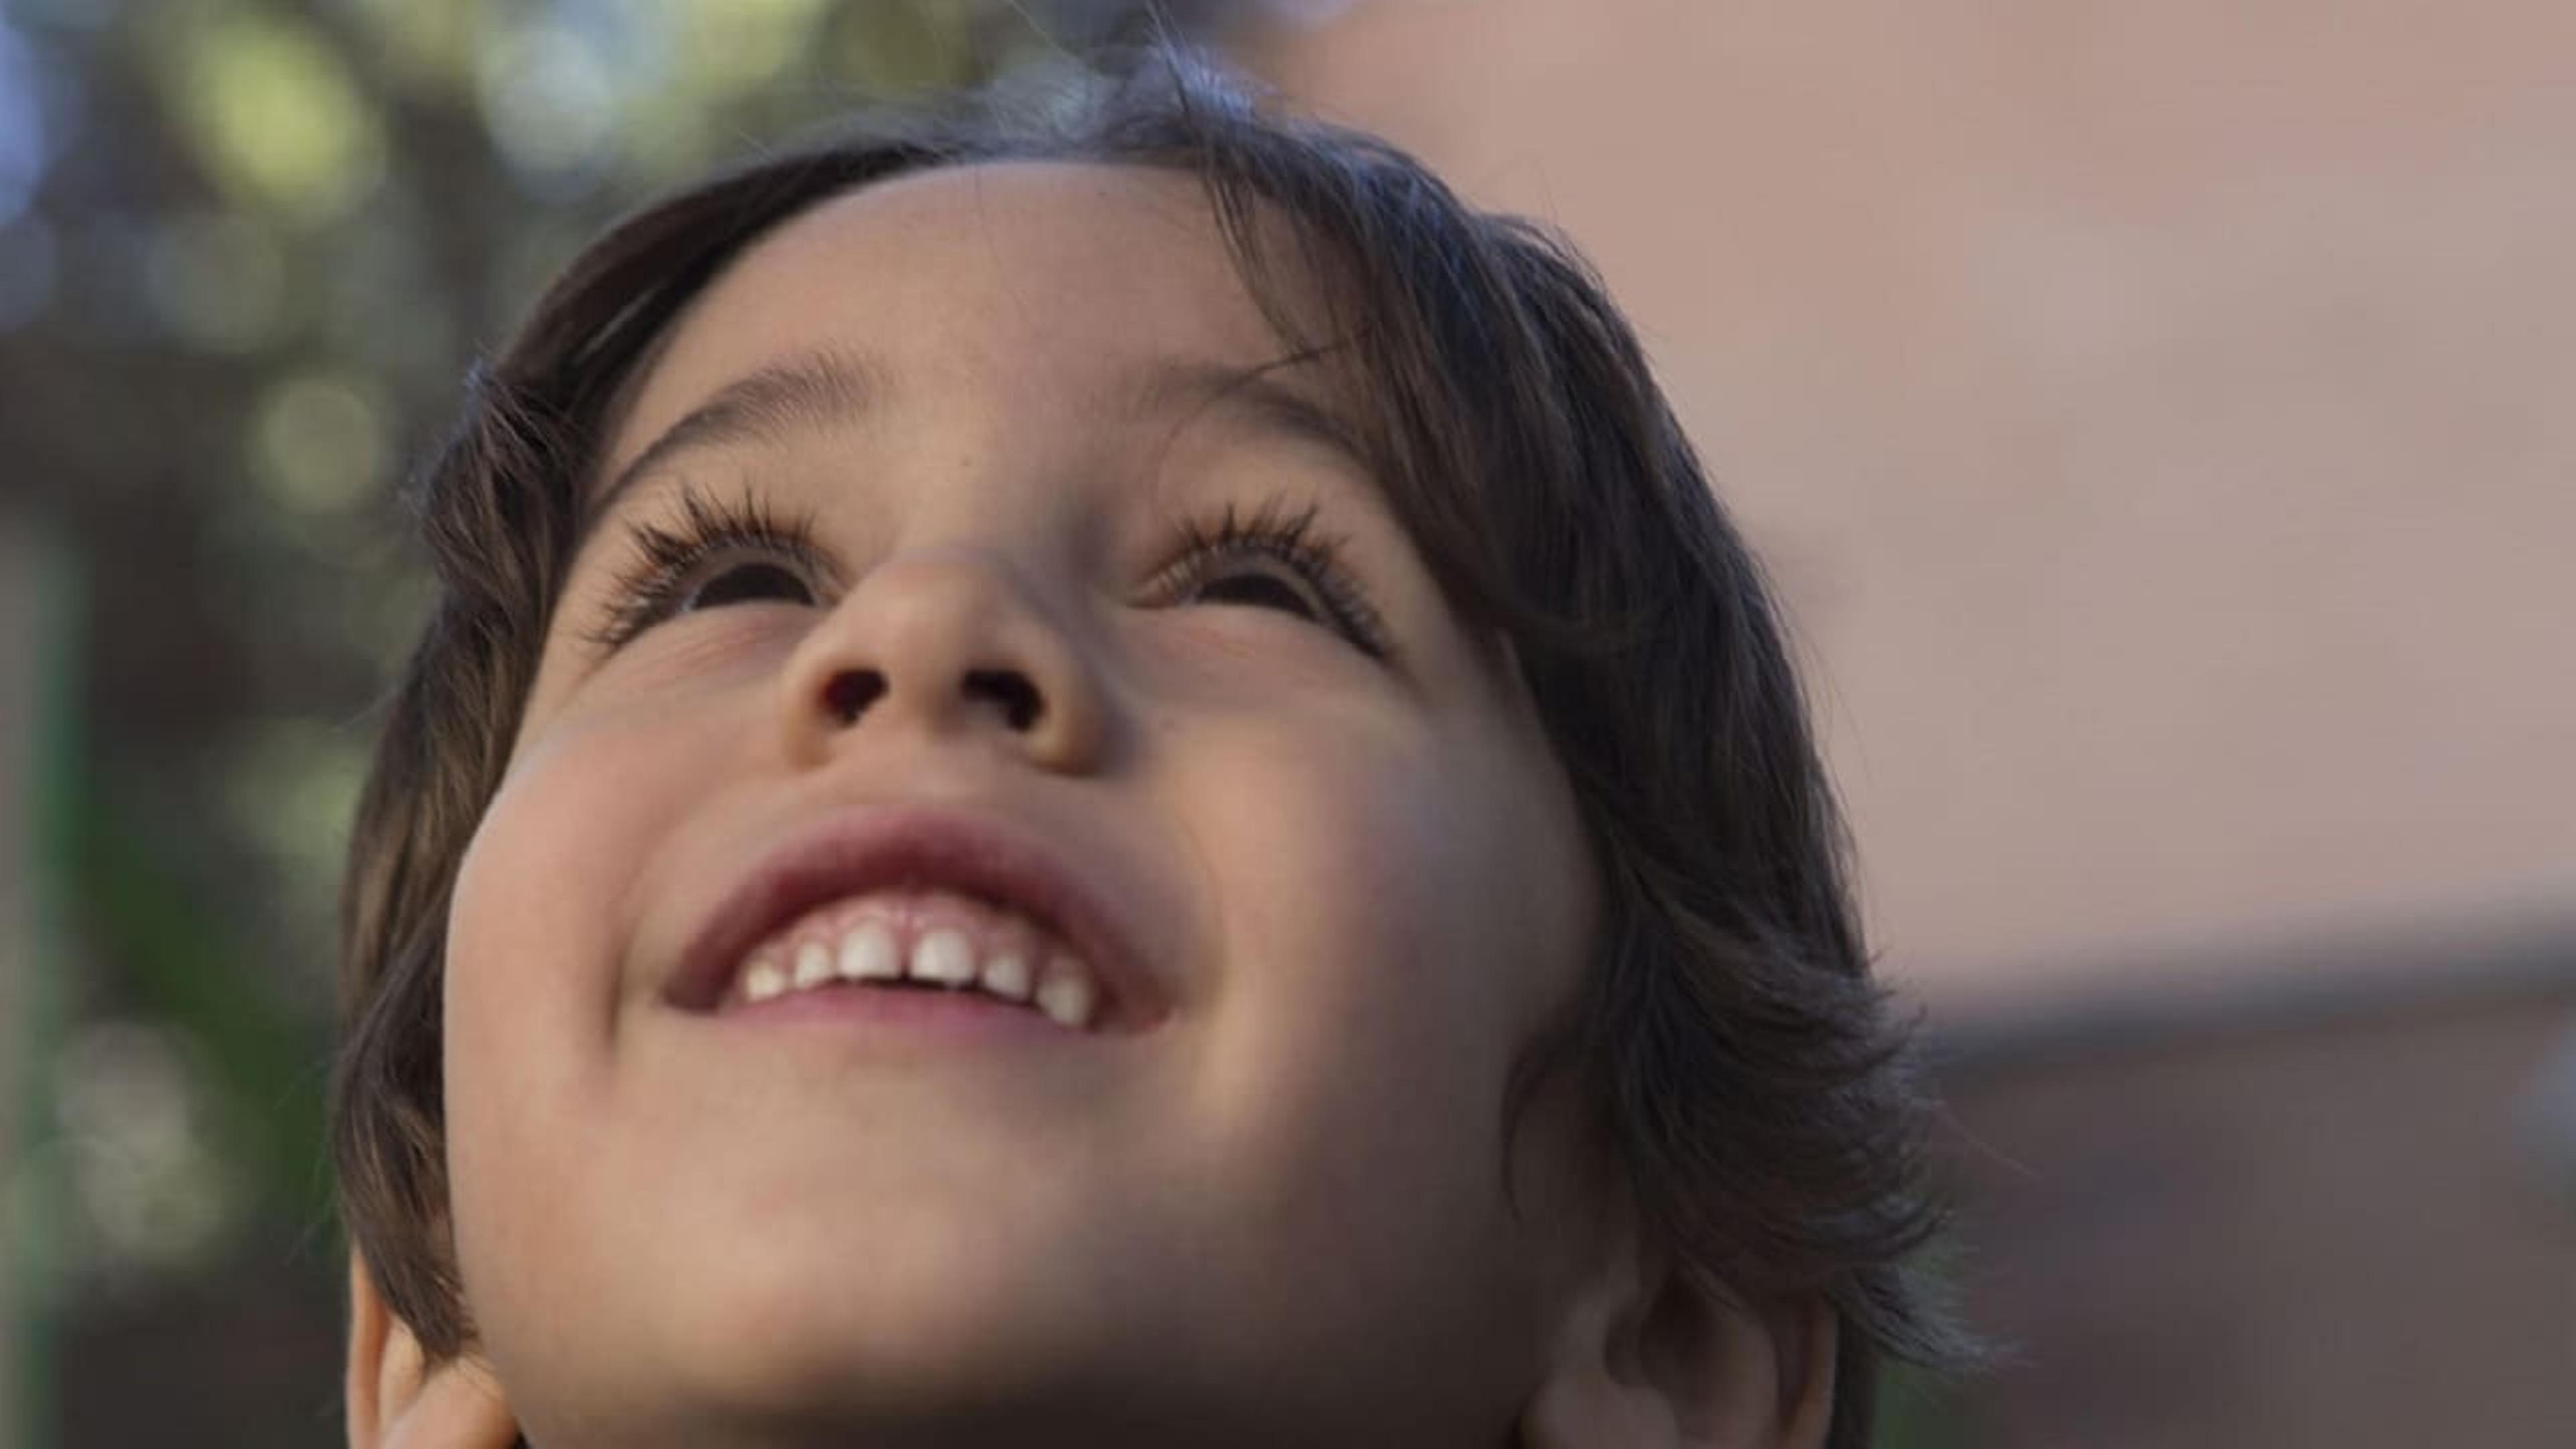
(800,394)
(1182,388)
(825,389)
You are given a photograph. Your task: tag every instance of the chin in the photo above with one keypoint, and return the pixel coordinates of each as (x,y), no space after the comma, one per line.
(940,1346)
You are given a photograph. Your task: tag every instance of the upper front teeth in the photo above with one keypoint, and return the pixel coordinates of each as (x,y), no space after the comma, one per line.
(869,953)
(943,955)
(1007,974)
(871,950)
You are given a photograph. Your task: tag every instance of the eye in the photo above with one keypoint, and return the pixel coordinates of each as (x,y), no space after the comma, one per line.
(755,580)
(718,553)
(1276,559)
(1260,590)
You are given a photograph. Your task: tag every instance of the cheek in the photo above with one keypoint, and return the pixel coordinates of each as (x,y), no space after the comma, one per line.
(536,962)
(1439,877)
(514,1011)
(565,845)
(1379,972)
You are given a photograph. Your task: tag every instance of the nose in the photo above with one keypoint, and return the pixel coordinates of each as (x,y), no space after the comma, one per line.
(949,644)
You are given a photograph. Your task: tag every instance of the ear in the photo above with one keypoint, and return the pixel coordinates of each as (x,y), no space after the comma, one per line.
(397,1401)
(1644,1358)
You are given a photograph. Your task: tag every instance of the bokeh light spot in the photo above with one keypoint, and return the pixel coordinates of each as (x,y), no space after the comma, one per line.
(279,117)
(736,45)
(291,787)
(550,105)
(154,1192)
(317,445)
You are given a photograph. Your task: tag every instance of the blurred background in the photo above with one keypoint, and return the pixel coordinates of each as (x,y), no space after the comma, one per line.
(2156,418)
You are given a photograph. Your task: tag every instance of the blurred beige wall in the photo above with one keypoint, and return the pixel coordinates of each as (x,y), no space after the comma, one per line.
(2158,416)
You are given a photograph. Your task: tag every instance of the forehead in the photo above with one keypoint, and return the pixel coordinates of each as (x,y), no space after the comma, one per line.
(1000,273)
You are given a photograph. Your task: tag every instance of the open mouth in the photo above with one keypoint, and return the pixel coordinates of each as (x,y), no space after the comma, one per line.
(923,940)
(914,899)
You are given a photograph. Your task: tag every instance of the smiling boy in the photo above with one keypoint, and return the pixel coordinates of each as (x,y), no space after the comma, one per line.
(1109,783)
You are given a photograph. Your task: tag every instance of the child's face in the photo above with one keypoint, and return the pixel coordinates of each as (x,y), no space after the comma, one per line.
(1354,883)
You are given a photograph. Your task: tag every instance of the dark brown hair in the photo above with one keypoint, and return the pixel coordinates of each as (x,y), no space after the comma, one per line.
(1728,1043)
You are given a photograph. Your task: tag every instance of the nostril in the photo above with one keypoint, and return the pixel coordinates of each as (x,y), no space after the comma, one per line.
(851,692)
(1009,689)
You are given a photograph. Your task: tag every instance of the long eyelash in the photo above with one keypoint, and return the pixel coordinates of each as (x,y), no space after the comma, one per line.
(646,588)
(660,560)
(1284,530)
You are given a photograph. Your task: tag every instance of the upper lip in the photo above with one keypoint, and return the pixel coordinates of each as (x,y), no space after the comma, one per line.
(922,848)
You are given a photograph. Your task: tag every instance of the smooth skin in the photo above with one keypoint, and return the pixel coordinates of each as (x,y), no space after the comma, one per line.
(1279,1216)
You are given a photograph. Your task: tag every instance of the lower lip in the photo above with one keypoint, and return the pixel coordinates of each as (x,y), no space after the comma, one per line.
(963,1016)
